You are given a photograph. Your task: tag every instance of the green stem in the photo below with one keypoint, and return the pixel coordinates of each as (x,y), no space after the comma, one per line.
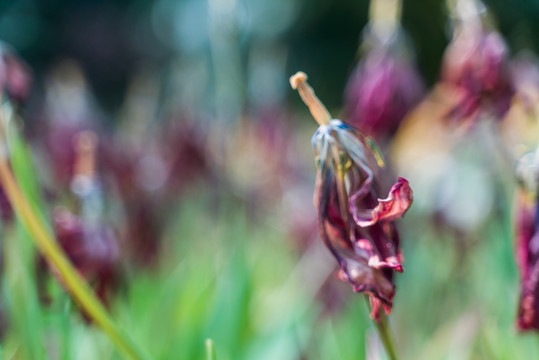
(56,257)
(386,335)
(210,350)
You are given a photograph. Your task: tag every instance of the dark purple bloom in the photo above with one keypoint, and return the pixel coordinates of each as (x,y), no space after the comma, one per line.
(355,224)
(476,72)
(525,73)
(58,142)
(527,247)
(528,261)
(380,92)
(88,241)
(6,211)
(94,250)
(15,75)
(149,177)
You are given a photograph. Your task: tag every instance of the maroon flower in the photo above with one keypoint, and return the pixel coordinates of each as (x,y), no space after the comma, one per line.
(475,68)
(525,74)
(380,92)
(355,225)
(89,242)
(527,247)
(6,211)
(150,175)
(15,75)
(15,82)
(94,250)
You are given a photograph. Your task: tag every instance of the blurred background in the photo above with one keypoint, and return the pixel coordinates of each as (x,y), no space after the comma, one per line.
(174,164)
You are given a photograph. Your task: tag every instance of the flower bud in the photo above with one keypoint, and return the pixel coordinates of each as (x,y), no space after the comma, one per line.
(15,75)
(476,70)
(381,91)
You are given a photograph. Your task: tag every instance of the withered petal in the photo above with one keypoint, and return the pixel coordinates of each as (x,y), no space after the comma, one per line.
(364,278)
(399,200)
(368,255)
(527,252)
(354,259)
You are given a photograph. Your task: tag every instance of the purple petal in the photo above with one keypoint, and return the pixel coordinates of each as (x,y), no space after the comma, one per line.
(528,261)
(399,200)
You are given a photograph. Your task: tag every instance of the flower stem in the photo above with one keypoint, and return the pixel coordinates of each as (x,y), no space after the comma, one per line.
(56,257)
(210,350)
(386,335)
(385,12)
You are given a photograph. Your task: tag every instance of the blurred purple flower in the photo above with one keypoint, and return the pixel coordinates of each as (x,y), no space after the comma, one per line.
(149,176)
(6,211)
(185,151)
(15,75)
(475,67)
(380,92)
(355,225)
(58,142)
(528,261)
(525,73)
(94,251)
(91,245)
(527,246)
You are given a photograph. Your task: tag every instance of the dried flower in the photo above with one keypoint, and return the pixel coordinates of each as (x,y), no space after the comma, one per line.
(475,67)
(15,75)
(146,173)
(355,225)
(94,251)
(527,247)
(382,90)
(87,239)
(520,128)
(525,73)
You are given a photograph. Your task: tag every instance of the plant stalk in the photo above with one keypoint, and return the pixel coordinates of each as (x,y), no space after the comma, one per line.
(55,256)
(210,350)
(386,335)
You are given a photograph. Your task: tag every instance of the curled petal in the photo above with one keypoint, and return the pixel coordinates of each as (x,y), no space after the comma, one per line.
(399,200)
